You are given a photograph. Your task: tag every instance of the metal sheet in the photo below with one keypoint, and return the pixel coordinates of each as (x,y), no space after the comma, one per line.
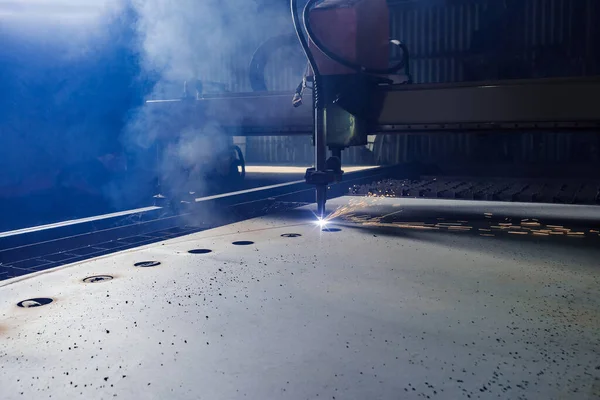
(367,312)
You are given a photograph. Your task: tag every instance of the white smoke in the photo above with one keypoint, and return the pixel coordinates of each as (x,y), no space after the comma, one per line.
(66,64)
(189,40)
(74,28)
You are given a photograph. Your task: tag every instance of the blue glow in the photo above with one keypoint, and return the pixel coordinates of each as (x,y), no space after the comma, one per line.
(321,222)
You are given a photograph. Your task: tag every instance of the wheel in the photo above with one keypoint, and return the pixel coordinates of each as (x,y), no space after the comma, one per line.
(237,170)
(240,161)
(263,53)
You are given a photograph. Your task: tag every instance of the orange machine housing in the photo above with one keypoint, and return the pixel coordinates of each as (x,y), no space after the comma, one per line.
(356,30)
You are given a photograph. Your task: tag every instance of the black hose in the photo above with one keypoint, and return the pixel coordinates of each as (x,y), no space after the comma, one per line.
(356,67)
(301,38)
(240,161)
(317,103)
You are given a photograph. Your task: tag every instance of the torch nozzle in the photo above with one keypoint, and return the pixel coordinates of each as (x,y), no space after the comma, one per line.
(321,199)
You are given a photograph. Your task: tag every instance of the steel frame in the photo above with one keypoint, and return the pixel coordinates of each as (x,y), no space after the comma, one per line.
(537,104)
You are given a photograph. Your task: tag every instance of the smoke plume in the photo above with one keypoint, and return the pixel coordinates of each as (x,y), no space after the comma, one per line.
(74,76)
(188,40)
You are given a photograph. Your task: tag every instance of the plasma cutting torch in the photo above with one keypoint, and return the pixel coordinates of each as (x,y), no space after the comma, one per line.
(343,73)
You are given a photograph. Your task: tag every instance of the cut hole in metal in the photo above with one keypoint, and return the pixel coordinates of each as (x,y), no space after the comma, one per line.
(147,264)
(328,229)
(200,251)
(291,235)
(37,302)
(243,243)
(98,279)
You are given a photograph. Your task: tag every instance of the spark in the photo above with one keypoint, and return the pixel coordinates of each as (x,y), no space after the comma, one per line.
(527,223)
(400,225)
(321,222)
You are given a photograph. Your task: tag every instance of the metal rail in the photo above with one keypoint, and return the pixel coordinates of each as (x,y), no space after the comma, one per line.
(45,247)
(544,104)
(531,104)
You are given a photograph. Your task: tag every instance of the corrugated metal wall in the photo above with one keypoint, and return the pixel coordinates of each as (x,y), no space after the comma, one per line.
(464,40)
(438,37)
(533,38)
(548,37)
(294,150)
(544,38)
(524,148)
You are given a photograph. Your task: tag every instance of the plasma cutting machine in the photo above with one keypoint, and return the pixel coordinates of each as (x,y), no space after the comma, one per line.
(356,93)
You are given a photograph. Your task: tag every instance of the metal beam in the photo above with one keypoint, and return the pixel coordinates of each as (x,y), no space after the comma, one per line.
(543,104)
(516,104)
(247,114)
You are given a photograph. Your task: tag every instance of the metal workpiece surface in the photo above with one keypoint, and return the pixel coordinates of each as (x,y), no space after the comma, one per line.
(559,191)
(393,302)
